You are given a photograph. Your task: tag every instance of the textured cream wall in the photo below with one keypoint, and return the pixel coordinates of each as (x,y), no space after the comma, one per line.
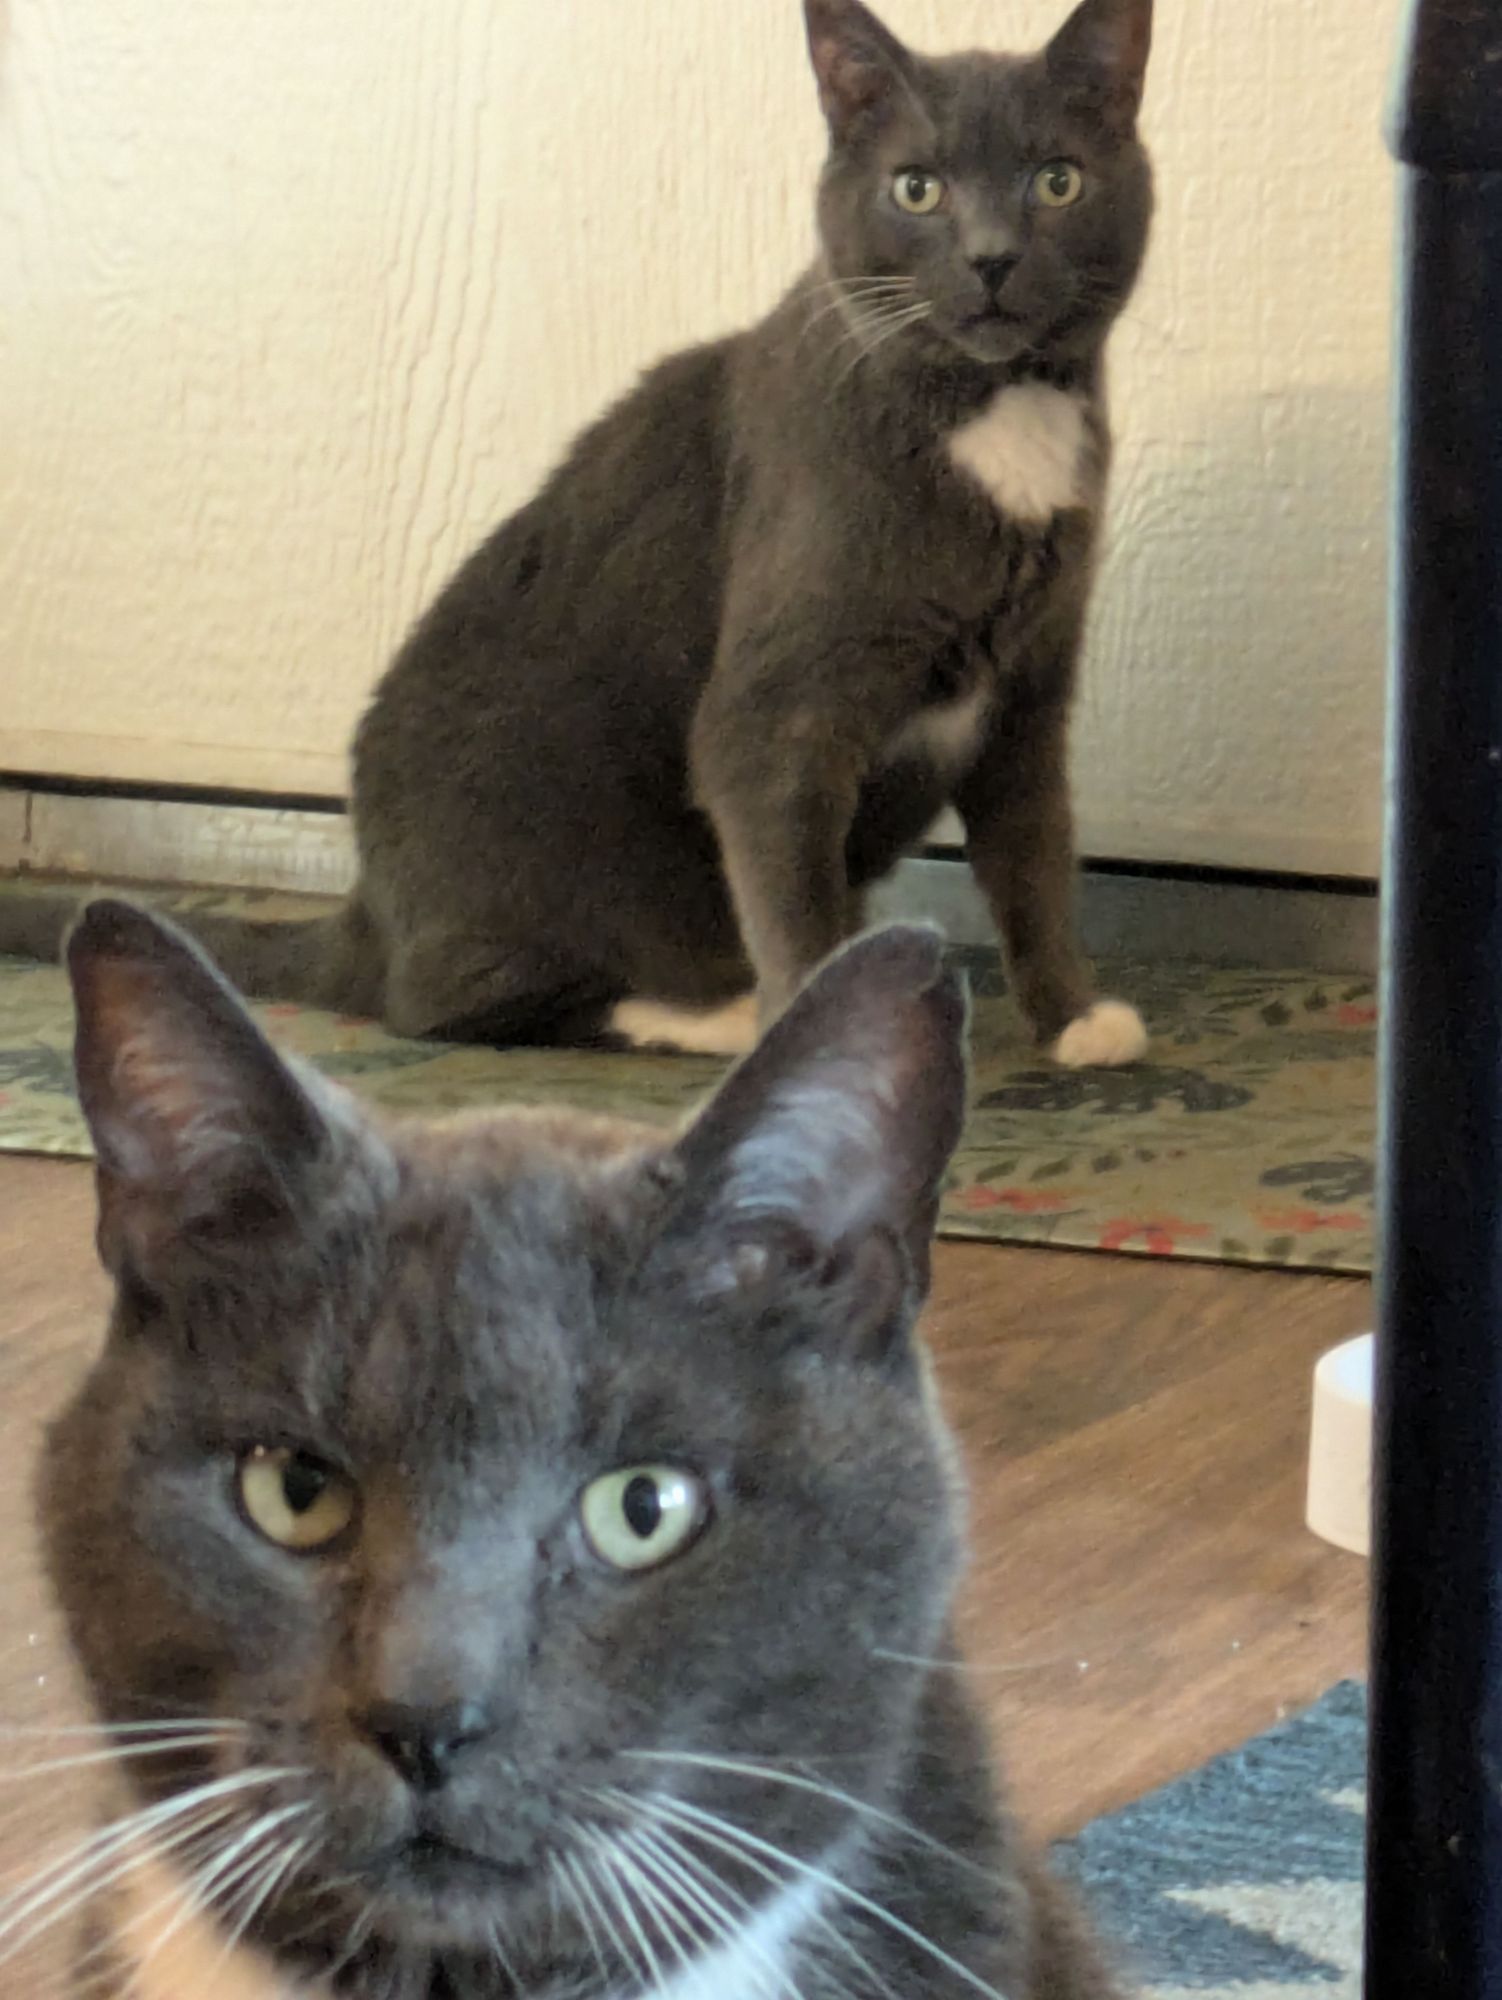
(295,300)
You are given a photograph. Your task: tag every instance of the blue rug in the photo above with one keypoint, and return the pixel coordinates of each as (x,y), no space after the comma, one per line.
(1243,1880)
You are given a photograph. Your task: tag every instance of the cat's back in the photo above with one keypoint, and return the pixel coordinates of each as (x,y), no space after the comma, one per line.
(621,540)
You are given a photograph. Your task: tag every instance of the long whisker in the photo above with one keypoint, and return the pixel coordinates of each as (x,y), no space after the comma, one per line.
(612,1884)
(580,1871)
(502,1958)
(657,1901)
(574,1901)
(80,1863)
(63,1897)
(223,1725)
(822,1923)
(852,302)
(705,1892)
(892,326)
(359,1933)
(735,1840)
(263,1887)
(204,1839)
(235,1860)
(774,1774)
(895,282)
(55,1766)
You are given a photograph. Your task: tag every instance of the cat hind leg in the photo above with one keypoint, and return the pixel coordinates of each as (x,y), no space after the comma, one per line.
(727,1030)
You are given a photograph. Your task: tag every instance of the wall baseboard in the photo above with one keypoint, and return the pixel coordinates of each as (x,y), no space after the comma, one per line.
(1152,914)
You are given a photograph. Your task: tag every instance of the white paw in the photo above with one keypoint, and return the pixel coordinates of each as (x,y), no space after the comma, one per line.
(695,1031)
(1104,1037)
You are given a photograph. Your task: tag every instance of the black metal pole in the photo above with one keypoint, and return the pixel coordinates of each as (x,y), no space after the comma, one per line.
(1434,1844)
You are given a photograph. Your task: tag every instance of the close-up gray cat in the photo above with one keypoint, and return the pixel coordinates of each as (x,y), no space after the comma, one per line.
(797,592)
(515,1556)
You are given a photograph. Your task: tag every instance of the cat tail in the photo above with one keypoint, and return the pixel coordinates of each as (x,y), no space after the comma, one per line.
(325,961)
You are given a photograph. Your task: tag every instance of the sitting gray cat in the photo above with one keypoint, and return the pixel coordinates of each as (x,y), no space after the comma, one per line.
(796,593)
(509,1555)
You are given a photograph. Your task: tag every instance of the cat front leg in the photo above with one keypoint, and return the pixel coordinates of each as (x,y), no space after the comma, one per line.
(1019,836)
(777,765)
(782,834)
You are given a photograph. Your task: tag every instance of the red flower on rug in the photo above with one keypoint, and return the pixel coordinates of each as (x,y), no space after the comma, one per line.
(281,1010)
(1306,1221)
(1161,1234)
(1021,1201)
(1355,1017)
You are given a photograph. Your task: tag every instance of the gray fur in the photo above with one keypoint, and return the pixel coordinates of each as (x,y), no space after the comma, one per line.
(473,1321)
(657,735)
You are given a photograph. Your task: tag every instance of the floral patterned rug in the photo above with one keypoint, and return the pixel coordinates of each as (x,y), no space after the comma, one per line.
(1247,1136)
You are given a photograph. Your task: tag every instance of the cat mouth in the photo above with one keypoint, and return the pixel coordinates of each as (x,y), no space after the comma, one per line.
(433,1863)
(992,314)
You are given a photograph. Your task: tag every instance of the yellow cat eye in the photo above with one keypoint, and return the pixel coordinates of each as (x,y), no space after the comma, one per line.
(1059,184)
(916,191)
(643,1515)
(294,1499)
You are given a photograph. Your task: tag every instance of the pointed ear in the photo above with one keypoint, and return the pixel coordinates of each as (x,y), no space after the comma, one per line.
(824,1151)
(1099,58)
(857,62)
(205,1138)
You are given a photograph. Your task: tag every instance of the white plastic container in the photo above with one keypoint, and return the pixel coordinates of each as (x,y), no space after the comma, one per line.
(1339,1501)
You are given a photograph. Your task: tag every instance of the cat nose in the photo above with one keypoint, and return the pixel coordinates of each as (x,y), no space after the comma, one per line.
(993,272)
(422,1744)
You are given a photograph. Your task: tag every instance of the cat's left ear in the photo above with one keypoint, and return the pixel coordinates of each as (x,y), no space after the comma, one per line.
(820,1158)
(859,64)
(207,1142)
(1099,58)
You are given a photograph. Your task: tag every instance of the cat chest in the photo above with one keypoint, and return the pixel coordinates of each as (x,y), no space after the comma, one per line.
(1031,452)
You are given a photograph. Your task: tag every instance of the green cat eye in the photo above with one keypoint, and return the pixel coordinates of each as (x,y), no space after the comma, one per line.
(643,1515)
(294,1499)
(1059,184)
(917,191)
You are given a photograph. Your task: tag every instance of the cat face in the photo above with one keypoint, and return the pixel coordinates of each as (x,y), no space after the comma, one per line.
(521,1502)
(1001,202)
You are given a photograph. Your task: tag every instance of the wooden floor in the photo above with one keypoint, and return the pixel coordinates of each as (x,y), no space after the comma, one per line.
(1143,1593)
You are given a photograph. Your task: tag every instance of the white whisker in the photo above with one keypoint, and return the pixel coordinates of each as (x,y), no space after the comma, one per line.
(709,1827)
(745,1938)
(100,1870)
(574,1901)
(612,1883)
(656,1901)
(705,1892)
(80,1863)
(227,1870)
(772,1774)
(898,323)
(256,1894)
(55,1766)
(580,1871)
(197,1725)
(502,1957)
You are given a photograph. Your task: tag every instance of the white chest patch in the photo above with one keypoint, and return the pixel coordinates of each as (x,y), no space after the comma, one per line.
(1027,450)
(756,1964)
(176,1954)
(946,734)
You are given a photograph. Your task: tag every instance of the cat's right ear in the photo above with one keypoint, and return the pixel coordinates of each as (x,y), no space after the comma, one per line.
(205,1139)
(859,64)
(1099,58)
(817,1165)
